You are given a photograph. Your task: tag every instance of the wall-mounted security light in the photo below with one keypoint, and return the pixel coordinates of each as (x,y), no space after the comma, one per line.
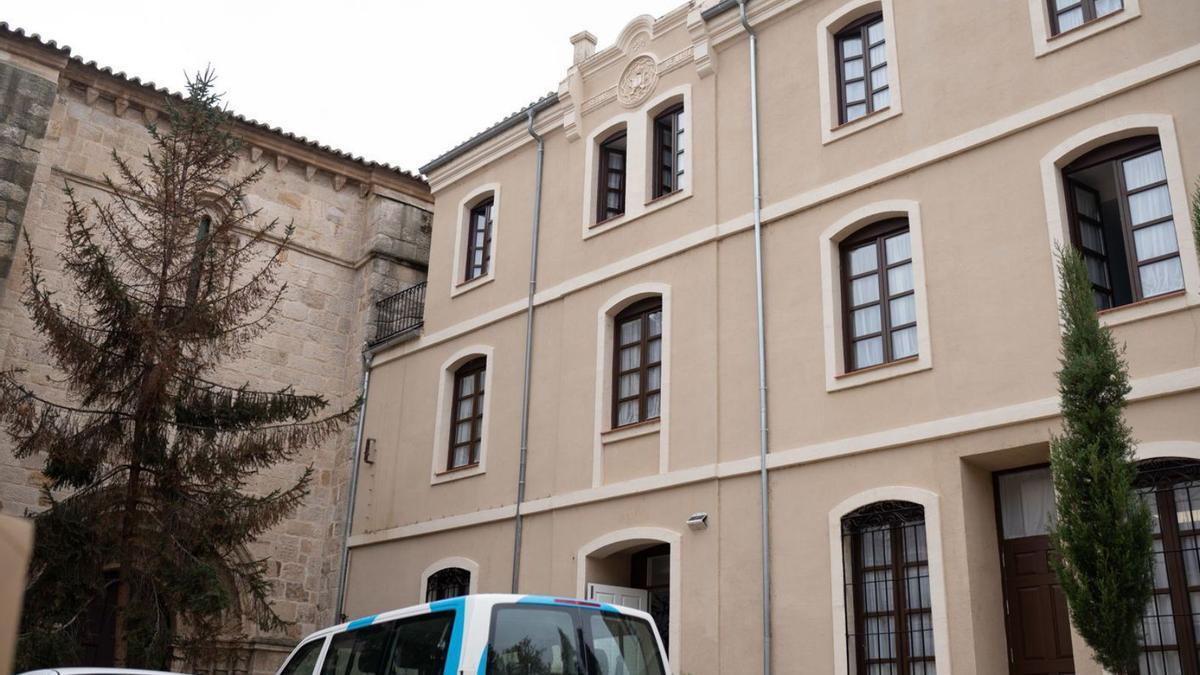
(698,521)
(369,451)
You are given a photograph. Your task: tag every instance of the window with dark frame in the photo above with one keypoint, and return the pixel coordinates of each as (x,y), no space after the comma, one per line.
(889,615)
(1171,490)
(610,193)
(1068,14)
(862,68)
(637,363)
(466,416)
(668,151)
(451,582)
(879,306)
(1122,223)
(479,240)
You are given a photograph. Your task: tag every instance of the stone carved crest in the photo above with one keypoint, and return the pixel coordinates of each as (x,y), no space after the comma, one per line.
(638,81)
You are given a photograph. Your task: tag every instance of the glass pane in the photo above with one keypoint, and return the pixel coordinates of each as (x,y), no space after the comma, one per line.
(613,201)
(305,659)
(1155,240)
(868,352)
(466,385)
(920,635)
(1161,277)
(654,351)
(856,111)
(1191,559)
(1158,625)
(853,69)
(655,321)
(879,78)
(462,432)
(1060,5)
(864,290)
(855,91)
(1085,203)
(875,33)
(1160,565)
(852,47)
(900,279)
(623,645)
(904,343)
(1093,237)
(881,99)
(863,259)
(914,542)
(1187,505)
(358,652)
(898,248)
(916,587)
(654,378)
(631,357)
(1097,270)
(652,402)
(877,591)
(1159,663)
(878,55)
(627,413)
(477,259)
(876,546)
(616,161)
(1107,6)
(866,321)
(533,640)
(1150,205)
(631,331)
(1026,503)
(421,643)
(1070,19)
(903,310)
(1144,170)
(466,408)
(629,385)
(881,638)
(614,181)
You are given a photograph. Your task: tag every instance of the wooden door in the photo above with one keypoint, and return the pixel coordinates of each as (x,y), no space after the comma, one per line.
(1039,628)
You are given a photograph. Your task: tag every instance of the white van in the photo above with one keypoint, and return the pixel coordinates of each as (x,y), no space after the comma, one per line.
(487,635)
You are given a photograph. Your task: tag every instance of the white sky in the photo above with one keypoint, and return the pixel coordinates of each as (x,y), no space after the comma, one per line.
(396,81)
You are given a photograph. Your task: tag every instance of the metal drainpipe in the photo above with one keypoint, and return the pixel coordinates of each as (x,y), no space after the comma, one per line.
(762,347)
(339,615)
(533,261)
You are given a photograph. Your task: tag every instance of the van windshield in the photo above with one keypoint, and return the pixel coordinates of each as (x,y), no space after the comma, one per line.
(545,640)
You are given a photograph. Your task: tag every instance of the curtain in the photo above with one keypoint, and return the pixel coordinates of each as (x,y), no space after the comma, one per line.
(1026,503)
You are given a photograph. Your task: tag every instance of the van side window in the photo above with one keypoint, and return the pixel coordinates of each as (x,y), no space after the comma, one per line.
(305,659)
(533,640)
(623,645)
(415,646)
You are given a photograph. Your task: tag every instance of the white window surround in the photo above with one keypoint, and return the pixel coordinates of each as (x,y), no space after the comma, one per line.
(1045,43)
(441,434)
(603,432)
(827,64)
(836,377)
(615,541)
(458,283)
(639,137)
(937,580)
(447,563)
(1058,223)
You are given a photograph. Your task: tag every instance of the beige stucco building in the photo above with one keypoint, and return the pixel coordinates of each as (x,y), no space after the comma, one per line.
(362,233)
(920,162)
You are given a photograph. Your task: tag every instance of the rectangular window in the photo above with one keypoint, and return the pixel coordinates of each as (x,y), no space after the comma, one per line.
(610,193)
(466,416)
(637,363)
(878,298)
(479,240)
(1068,14)
(862,69)
(668,151)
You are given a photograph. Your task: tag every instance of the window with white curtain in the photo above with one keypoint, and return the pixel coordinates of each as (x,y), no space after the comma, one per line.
(1068,14)
(1122,223)
(879,300)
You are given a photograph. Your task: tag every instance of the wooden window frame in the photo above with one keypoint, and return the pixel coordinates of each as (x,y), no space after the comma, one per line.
(667,162)
(639,311)
(1114,154)
(879,233)
(477,370)
(858,29)
(479,217)
(895,516)
(607,152)
(1089,14)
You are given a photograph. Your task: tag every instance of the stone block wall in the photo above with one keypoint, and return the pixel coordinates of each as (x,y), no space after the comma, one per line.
(25,102)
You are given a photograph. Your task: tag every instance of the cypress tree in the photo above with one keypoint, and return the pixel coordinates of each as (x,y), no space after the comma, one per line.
(149,461)
(1102,531)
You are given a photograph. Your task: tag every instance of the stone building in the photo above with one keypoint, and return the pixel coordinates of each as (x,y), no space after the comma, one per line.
(920,161)
(362,234)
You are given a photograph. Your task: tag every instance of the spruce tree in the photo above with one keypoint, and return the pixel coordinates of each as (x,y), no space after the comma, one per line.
(149,461)
(1102,532)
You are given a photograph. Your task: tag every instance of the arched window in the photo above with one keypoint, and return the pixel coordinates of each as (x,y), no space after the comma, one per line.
(862,68)
(610,192)
(479,240)
(466,414)
(889,614)
(637,362)
(450,582)
(1171,490)
(1121,221)
(667,157)
(879,306)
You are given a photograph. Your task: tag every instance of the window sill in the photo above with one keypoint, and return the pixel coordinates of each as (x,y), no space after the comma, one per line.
(653,205)
(467,286)
(883,371)
(629,431)
(457,473)
(866,122)
(1053,43)
(1159,305)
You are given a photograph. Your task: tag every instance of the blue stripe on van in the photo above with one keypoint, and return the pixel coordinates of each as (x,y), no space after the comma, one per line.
(359,623)
(454,651)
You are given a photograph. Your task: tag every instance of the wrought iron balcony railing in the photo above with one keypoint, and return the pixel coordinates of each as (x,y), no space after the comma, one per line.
(400,314)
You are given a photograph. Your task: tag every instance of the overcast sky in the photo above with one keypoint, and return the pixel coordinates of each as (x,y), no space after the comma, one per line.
(394,81)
